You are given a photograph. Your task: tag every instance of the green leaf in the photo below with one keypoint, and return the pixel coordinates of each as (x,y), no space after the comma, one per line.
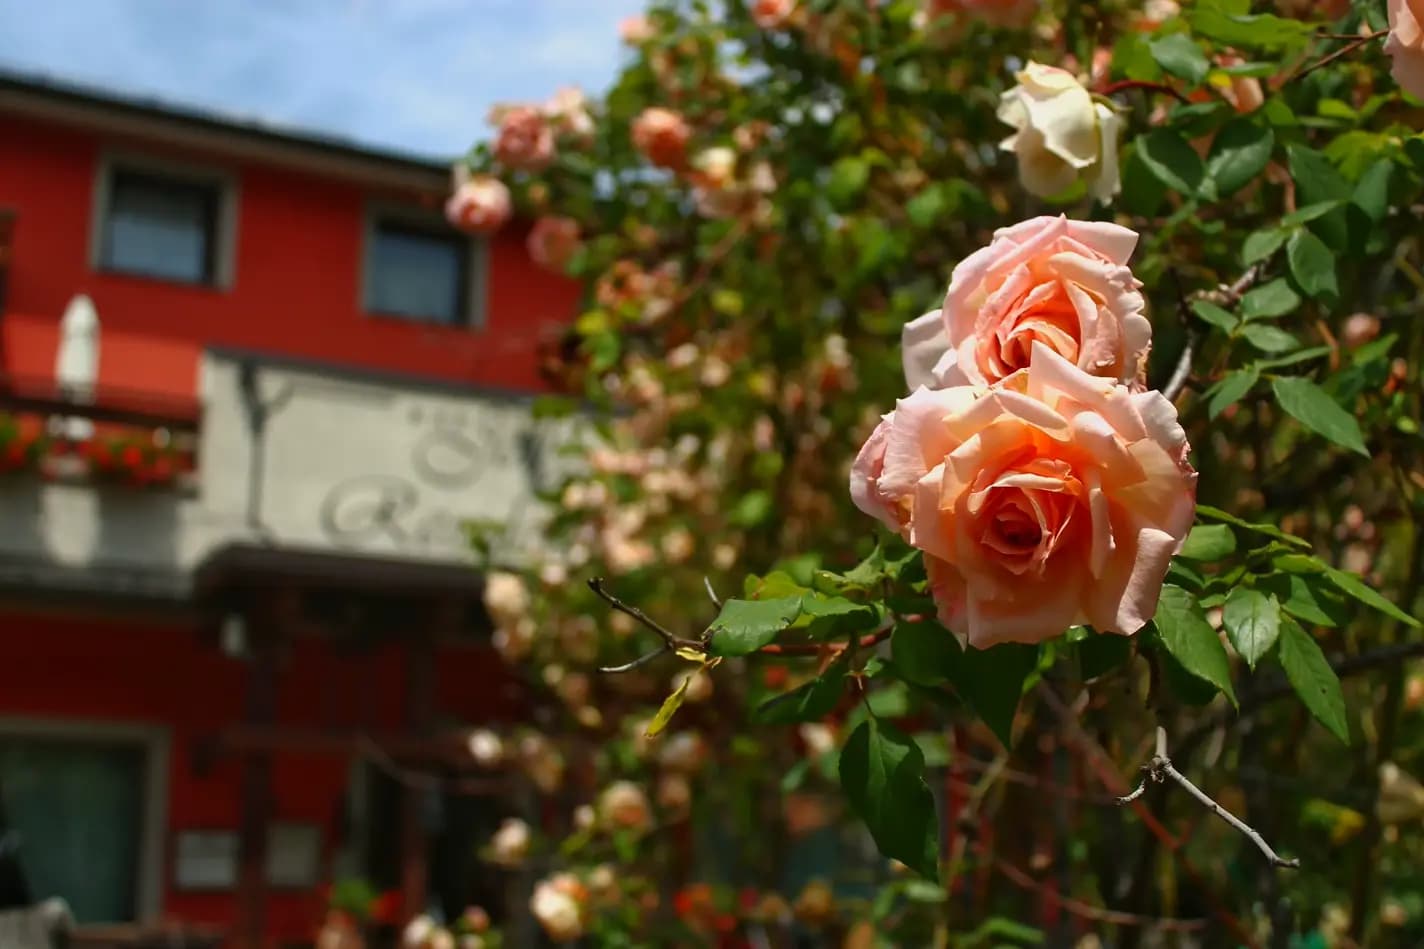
(1301,598)
(1172,161)
(1269,339)
(1209,542)
(1240,152)
(1317,181)
(883,776)
(1191,640)
(744,626)
(991,681)
(1312,406)
(1101,653)
(832,616)
(1313,266)
(1252,620)
(809,702)
(1309,213)
(1270,530)
(924,652)
(1260,245)
(1355,587)
(1309,673)
(1261,31)
(669,708)
(926,208)
(751,509)
(849,176)
(1269,301)
(1211,313)
(1230,390)
(1178,55)
(1372,190)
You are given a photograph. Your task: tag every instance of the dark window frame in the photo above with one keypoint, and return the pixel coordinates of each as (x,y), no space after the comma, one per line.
(472,290)
(216,187)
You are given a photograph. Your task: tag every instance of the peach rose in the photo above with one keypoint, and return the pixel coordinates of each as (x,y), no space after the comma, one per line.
(1244,93)
(567,110)
(1062,134)
(480,205)
(661,135)
(1054,499)
(636,30)
(558,904)
(1062,283)
(525,140)
(553,241)
(772,14)
(1405,45)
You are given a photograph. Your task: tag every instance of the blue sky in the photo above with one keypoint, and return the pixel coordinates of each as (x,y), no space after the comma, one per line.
(414,75)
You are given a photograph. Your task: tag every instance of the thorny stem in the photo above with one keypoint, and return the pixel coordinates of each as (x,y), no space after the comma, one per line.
(1160,768)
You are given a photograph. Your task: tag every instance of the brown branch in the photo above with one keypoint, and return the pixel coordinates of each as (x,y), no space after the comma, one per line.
(671,641)
(1226,296)
(1345,50)
(1126,84)
(816,649)
(1084,910)
(1160,769)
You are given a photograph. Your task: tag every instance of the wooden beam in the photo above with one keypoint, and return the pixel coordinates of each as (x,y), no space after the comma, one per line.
(256,800)
(420,719)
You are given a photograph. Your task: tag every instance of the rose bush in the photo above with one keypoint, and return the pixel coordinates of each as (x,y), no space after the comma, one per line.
(1160,225)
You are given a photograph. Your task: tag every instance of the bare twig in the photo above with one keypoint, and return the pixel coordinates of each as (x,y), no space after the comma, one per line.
(711,593)
(640,661)
(1226,296)
(670,640)
(1084,910)
(1160,769)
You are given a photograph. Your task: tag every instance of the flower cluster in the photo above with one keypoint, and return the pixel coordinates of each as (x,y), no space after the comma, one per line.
(1046,487)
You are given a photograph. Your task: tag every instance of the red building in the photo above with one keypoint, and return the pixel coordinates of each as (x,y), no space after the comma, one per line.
(240,628)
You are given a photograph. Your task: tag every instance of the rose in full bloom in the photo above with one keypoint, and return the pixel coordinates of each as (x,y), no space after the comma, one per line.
(1062,134)
(1053,499)
(510,844)
(553,241)
(772,14)
(558,905)
(525,140)
(661,135)
(1405,45)
(1064,284)
(480,205)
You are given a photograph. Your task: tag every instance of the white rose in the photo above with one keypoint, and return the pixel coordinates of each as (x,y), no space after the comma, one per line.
(417,932)
(1063,134)
(485,747)
(510,844)
(555,904)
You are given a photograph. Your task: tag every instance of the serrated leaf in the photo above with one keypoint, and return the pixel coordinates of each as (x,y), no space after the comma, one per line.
(924,652)
(1253,621)
(1230,390)
(883,776)
(1209,542)
(1300,598)
(744,626)
(1178,55)
(1260,245)
(1313,266)
(1313,407)
(1371,193)
(991,681)
(1309,673)
(1269,300)
(1355,587)
(1172,161)
(1270,530)
(1211,313)
(1269,339)
(1240,152)
(1190,639)
(808,702)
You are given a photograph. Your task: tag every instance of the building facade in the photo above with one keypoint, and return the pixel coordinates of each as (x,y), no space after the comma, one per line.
(254,393)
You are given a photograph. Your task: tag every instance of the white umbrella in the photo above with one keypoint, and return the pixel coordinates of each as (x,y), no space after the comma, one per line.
(76,364)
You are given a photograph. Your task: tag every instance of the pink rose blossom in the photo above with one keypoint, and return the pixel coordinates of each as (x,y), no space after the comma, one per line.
(661,135)
(567,109)
(772,14)
(1405,45)
(525,140)
(1053,499)
(1047,280)
(636,30)
(553,241)
(1244,93)
(480,205)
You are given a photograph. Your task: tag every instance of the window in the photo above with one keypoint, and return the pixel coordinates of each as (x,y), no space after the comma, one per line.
(75,809)
(166,222)
(421,270)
